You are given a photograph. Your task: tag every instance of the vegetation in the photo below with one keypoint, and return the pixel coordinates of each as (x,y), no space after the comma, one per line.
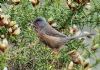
(26,52)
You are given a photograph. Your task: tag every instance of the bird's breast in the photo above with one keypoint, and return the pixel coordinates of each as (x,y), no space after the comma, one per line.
(51,41)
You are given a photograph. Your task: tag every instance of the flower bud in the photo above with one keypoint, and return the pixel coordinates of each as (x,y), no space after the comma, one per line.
(12,23)
(15,27)
(54,24)
(3,47)
(2,17)
(5,41)
(73,29)
(0,10)
(16,2)
(2,36)
(5,68)
(17,31)
(95,47)
(50,20)
(10,30)
(88,6)
(6,20)
(89,69)
(76,57)
(34,2)
(70,66)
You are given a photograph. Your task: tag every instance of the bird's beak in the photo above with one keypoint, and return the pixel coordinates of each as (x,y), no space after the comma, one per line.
(31,24)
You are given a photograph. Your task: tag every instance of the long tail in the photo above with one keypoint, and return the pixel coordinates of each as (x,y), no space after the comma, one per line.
(83,35)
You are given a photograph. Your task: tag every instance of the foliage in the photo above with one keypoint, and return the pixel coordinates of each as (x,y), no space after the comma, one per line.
(26,52)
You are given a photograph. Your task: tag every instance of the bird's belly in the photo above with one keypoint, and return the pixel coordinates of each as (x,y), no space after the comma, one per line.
(54,44)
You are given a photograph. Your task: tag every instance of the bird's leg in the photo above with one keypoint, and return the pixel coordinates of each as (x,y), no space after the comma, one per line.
(55,52)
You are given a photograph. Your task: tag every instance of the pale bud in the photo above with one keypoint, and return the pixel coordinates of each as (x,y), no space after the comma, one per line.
(2,16)
(0,41)
(88,6)
(73,5)
(69,1)
(73,29)
(5,68)
(12,23)
(78,33)
(2,36)
(95,47)
(89,69)
(16,1)
(70,66)
(76,57)
(0,10)
(17,31)
(5,41)
(6,21)
(34,2)
(3,46)
(54,25)
(74,26)
(15,27)
(80,59)
(50,19)
(86,64)
(10,30)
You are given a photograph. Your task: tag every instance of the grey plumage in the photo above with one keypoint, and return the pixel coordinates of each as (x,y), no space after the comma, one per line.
(49,35)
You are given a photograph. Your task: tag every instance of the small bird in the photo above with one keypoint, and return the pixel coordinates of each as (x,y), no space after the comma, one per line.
(50,36)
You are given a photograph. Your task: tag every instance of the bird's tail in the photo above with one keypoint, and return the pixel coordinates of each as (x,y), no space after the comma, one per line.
(83,35)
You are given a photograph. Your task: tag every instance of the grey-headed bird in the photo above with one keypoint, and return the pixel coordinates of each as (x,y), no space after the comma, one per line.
(51,37)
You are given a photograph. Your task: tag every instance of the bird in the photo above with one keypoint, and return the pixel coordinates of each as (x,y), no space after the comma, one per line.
(50,36)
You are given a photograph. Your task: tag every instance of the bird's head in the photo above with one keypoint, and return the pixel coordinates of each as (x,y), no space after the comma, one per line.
(40,22)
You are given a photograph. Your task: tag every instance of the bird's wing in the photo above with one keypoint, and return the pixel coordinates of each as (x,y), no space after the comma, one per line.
(51,41)
(53,32)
